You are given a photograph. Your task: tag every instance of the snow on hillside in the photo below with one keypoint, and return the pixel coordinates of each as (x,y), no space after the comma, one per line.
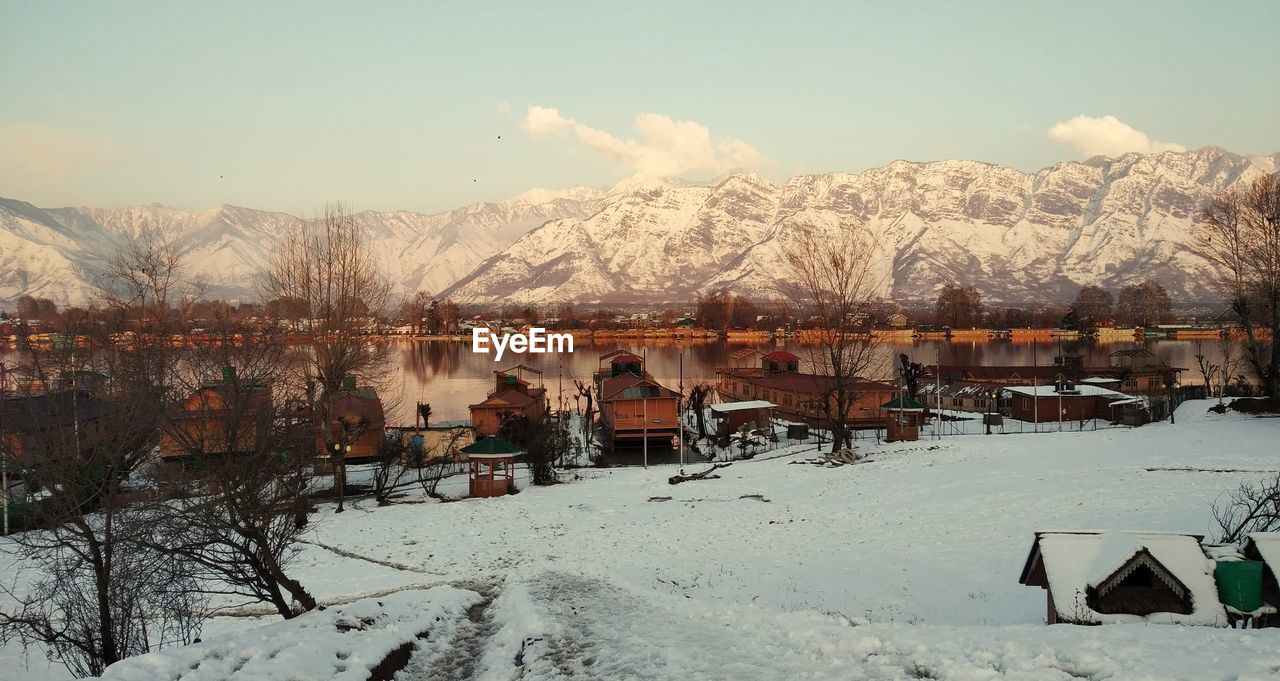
(903,566)
(1017,236)
(54,253)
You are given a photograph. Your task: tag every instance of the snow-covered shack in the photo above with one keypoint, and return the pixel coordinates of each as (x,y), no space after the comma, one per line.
(730,417)
(1119,577)
(1265,546)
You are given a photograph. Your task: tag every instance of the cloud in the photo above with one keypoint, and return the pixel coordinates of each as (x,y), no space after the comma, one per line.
(662,147)
(35,159)
(1106,136)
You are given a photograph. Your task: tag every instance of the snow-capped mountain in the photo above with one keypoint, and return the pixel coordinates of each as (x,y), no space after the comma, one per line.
(55,253)
(1017,236)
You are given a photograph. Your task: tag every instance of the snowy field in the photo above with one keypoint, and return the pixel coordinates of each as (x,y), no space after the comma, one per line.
(902,566)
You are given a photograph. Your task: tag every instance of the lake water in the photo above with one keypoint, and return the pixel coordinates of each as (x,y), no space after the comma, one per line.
(449,376)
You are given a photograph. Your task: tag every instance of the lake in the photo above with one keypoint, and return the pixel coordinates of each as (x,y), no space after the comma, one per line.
(449,376)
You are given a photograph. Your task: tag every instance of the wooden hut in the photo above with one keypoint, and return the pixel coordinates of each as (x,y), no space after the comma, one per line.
(1121,577)
(905,416)
(492,462)
(730,417)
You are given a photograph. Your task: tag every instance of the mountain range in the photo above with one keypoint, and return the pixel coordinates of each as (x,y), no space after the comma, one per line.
(1019,237)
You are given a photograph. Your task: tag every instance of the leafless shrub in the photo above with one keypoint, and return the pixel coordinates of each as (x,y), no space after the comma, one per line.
(1251,507)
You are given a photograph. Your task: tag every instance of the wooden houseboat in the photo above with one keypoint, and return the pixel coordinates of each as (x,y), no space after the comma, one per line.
(219,418)
(800,396)
(358,423)
(633,406)
(512,396)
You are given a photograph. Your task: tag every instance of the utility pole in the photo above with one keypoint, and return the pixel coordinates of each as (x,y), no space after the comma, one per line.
(1035,400)
(680,410)
(645,406)
(937,390)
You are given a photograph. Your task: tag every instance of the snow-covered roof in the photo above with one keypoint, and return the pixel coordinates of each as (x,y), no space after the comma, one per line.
(740,406)
(1268,546)
(1075,561)
(1099,380)
(1079,390)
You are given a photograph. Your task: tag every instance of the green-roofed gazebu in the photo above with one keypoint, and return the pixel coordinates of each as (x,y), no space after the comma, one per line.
(904,415)
(492,462)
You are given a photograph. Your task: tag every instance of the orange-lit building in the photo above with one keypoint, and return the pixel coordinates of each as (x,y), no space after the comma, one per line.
(36,426)
(800,396)
(229,417)
(358,423)
(633,406)
(512,396)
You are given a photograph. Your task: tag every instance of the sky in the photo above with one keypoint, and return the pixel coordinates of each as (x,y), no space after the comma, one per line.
(431,106)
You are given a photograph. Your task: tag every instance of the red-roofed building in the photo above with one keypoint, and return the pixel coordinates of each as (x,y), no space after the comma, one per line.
(511,396)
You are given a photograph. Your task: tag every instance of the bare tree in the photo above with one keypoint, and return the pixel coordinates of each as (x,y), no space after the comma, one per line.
(414,311)
(1210,372)
(99,590)
(87,585)
(1241,237)
(1251,507)
(911,373)
(959,306)
(389,469)
(242,474)
(836,282)
(242,530)
(1145,303)
(329,269)
(441,460)
(544,440)
(698,395)
(143,287)
(1092,305)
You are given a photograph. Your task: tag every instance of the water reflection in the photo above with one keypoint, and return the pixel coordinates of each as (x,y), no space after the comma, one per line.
(449,376)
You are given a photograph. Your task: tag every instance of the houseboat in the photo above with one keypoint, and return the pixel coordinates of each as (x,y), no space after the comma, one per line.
(512,396)
(801,396)
(357,423)
(634,407)
(225,417)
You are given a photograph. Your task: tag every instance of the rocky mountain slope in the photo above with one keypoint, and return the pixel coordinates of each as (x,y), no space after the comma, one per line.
(1017,236)
(55,253)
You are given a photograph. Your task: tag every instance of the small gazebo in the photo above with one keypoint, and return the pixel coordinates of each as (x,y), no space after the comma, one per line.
(905,415)
(493,462)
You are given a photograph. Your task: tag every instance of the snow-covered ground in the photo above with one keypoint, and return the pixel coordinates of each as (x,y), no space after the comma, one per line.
(904,565)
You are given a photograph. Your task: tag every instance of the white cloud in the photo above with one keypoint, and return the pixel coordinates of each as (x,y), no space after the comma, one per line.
(1106,136)
(663,146)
